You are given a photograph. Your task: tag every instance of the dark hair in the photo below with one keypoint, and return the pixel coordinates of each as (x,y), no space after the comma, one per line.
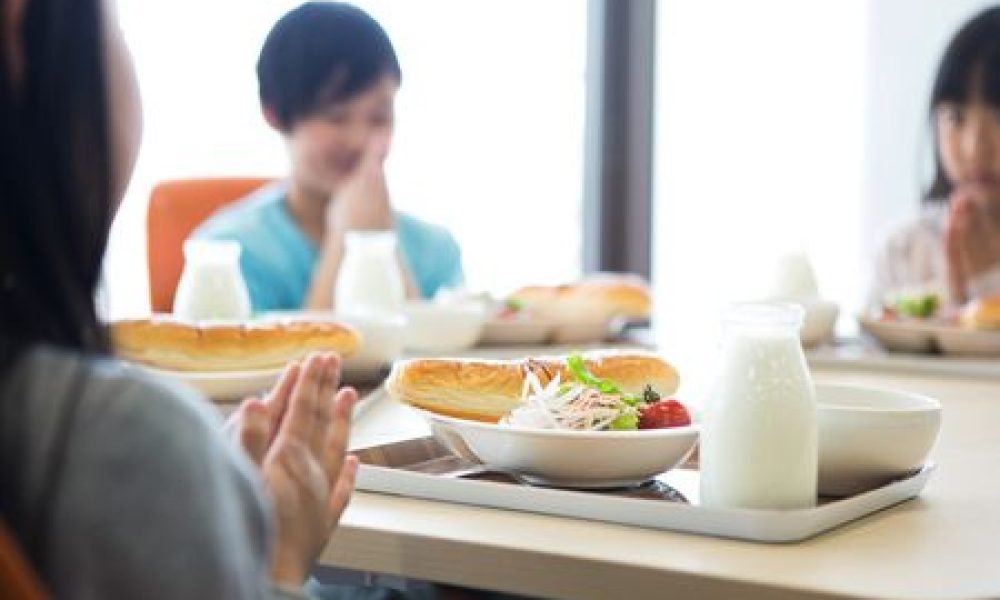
(972,58)
(318,54)
(55,178)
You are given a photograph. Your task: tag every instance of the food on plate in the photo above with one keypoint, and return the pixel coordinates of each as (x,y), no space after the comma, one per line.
(983,313)
(601,390)
(917,306)
(596,298)
(176,345)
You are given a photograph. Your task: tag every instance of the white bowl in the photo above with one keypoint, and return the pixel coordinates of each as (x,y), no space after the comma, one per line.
(381,340)
(443,327)
(911,335)
(870,436)
(571,459)
(381,343)
(819,323)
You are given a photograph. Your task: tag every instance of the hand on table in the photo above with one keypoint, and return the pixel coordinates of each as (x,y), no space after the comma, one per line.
(298,435)
(363,201)
(972,240)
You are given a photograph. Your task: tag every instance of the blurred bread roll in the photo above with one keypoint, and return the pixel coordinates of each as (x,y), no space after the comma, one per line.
(174,345)
(982,313)
(592,299)
(486,390)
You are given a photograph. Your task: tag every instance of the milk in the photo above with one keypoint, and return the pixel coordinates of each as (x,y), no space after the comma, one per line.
(369,281)
(212,286)
(759,436)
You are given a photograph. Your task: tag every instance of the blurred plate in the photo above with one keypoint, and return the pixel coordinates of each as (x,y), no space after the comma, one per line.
(901,336)
(515,332)
(968,342)
(581,332)
(223,386)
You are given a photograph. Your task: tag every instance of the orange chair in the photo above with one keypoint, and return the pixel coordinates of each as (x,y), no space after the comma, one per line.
(18,580)
(176,208)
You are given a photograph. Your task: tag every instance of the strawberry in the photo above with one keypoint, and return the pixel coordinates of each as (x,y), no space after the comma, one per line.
(663,414)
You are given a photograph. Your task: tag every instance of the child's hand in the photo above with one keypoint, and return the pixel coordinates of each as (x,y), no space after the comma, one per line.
(363,202)
(298,437)
(972,240)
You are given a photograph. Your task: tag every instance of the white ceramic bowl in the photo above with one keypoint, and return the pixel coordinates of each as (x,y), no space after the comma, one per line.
(443,327)
(819,323)
(381,340)
(911,335)
(381,343)
(572,459)
(870,436)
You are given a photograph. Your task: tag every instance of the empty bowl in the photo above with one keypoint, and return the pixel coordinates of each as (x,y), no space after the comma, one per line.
(871,436)
(819,323)
(443,327)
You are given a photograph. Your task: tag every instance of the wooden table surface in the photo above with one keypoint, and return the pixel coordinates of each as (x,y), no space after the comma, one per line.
(944,544)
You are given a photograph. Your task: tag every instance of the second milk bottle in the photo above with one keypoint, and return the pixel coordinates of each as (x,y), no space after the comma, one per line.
(759,432)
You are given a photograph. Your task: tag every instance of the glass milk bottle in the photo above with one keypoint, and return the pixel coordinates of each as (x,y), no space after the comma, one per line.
(369,280)
(759,436)
(211,286)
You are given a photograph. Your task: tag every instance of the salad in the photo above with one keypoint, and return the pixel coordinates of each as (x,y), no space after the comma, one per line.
(585,402)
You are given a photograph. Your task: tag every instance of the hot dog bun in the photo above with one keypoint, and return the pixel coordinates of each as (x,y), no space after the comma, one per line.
(593,299)
(174,345)
(486,390)
(983,313)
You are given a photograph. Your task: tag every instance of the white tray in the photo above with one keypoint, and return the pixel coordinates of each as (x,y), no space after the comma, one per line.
(753,525)
(860,354)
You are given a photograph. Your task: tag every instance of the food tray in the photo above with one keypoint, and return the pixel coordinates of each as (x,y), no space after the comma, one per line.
(917,336)
(423,468)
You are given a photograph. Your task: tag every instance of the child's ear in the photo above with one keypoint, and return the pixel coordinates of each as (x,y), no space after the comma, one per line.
(271,116)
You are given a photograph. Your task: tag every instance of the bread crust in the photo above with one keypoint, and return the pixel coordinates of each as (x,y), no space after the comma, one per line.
(983,313)
(486,390)
(170,344)
(597,298)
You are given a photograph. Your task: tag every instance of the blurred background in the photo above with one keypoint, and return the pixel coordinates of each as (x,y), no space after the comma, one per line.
(691,141)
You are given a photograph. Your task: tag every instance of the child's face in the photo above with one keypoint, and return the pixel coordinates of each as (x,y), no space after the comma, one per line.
(326,146)
(969,146)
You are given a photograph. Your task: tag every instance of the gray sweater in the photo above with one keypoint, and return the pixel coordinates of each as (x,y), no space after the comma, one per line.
(122,486)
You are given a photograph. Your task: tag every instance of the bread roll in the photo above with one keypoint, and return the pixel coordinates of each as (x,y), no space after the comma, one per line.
(983,313)
(594,299)
(486,390)
(174,345)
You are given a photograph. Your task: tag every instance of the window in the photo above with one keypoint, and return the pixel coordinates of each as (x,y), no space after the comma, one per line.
(490,122)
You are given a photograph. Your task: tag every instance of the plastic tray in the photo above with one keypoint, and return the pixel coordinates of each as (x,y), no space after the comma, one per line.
(422,468)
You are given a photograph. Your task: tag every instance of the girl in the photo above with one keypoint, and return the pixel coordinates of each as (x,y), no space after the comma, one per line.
(954,247)
(116,485)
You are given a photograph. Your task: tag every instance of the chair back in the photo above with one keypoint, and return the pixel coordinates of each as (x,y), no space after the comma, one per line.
(176,208)
(18,580)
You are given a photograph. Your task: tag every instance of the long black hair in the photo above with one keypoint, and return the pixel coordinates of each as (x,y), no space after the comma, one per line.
(56,193)
(972,58)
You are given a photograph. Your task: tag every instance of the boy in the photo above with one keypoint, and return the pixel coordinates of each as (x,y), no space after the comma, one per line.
(328,77)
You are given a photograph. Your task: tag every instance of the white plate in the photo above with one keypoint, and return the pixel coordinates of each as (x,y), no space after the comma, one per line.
(901,336)
(569,459)
(223,386)
(515,332)
(581,332)
(968,342)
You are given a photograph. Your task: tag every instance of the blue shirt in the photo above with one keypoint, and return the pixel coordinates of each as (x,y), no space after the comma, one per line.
(278,258)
